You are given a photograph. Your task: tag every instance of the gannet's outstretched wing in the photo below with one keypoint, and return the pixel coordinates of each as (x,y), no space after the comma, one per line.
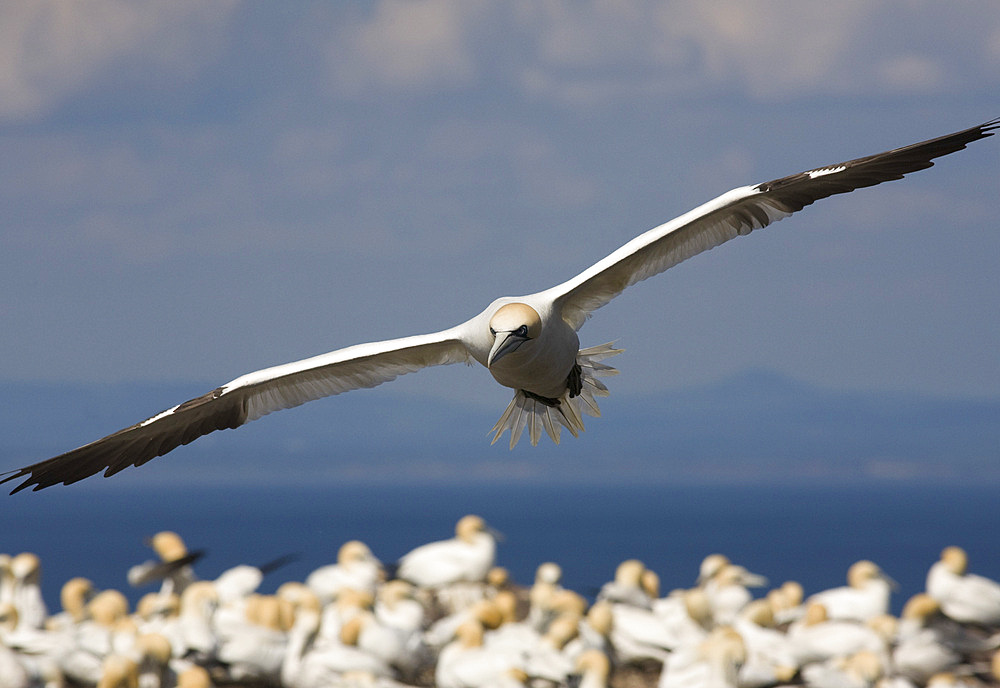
(244,399)
(737,212)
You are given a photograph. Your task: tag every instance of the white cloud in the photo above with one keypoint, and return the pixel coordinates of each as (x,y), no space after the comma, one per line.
(50,49)
(602,50)
(915,73)
(407,45)
(585,52)
(778,49)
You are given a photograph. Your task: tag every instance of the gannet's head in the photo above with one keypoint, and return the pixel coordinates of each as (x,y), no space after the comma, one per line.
(75,594)
(863,572)
(354,551)
(920,607)
(168,545)
(955,560)
(711,566)
(511,326)
(629,573)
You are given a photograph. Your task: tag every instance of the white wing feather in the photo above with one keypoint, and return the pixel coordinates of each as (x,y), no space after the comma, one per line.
(734,213)
(354,367)
(244,399)
(739,212)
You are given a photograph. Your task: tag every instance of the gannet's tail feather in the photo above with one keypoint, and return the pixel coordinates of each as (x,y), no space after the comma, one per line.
(527,412)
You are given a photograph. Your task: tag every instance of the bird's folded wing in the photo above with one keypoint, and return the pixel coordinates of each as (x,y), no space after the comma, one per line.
(740,211)
(156,572)
(244,399)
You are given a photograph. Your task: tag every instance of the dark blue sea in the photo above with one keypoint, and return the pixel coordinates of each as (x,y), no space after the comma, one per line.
(807,533)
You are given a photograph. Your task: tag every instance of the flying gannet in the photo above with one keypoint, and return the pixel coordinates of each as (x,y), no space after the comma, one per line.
(528,343)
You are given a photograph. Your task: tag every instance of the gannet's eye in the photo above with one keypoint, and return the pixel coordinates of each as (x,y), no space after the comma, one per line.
(493,332)
(522,331)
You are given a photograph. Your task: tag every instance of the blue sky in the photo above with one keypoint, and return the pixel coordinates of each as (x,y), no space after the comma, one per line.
(193,190)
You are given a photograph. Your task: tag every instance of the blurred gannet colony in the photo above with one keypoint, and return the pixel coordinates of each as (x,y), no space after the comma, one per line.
(447,615)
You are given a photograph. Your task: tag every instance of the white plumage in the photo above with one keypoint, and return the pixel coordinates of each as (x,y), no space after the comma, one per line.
(529,343)
(963,596)
(465,558)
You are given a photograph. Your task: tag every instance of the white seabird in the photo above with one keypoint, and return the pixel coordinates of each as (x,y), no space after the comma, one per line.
(963,596)
(528,343)
(865,597)
(467,557)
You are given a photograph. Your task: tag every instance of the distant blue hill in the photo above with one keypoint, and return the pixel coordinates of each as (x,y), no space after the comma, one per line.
(757,426)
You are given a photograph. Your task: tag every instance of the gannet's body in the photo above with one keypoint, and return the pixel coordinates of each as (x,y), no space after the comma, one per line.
(467,557)
(528,343)
(963,596)
(865,597)
(356,569)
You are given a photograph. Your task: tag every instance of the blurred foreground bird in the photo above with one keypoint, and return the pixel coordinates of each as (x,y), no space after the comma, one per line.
(528,343)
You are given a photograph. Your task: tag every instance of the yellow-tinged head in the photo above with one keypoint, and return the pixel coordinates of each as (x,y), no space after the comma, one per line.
(511,326)
(469,526)
(955,560)
(168,545)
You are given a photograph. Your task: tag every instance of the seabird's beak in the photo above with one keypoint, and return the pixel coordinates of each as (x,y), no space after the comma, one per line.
(754,580)
(893,585)
(497,535)
(503,344)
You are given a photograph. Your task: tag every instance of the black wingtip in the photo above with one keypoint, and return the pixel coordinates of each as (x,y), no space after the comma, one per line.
(21,473)
(281,561)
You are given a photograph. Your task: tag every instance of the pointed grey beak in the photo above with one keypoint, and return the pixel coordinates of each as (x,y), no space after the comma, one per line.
(754,580)
(893,585)
(503,344)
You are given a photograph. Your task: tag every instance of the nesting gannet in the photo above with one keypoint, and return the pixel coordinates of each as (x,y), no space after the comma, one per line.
(687,614)
(864,597)
(771,657)
(235,587)
(921,650)
(466,557)
(638,634)
(119,671)
(486,613)
(593,631)
(727,592)
(712,663)
(13,672)
(463,594)
(711,566)
(396,605)
(310,663)
(594,667)
(199,602)
(548,577)
(786,601)
(253,648)
(155,652)
(627,585)
(356,568)
(26,569)
(963,596)
(817,638)
(466,663)
(402,650)
(859,670)
(528,343)
(173,569)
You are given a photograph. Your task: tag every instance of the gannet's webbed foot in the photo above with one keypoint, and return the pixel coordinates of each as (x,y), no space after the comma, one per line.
(547,401)
(535,412)
(574,383)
